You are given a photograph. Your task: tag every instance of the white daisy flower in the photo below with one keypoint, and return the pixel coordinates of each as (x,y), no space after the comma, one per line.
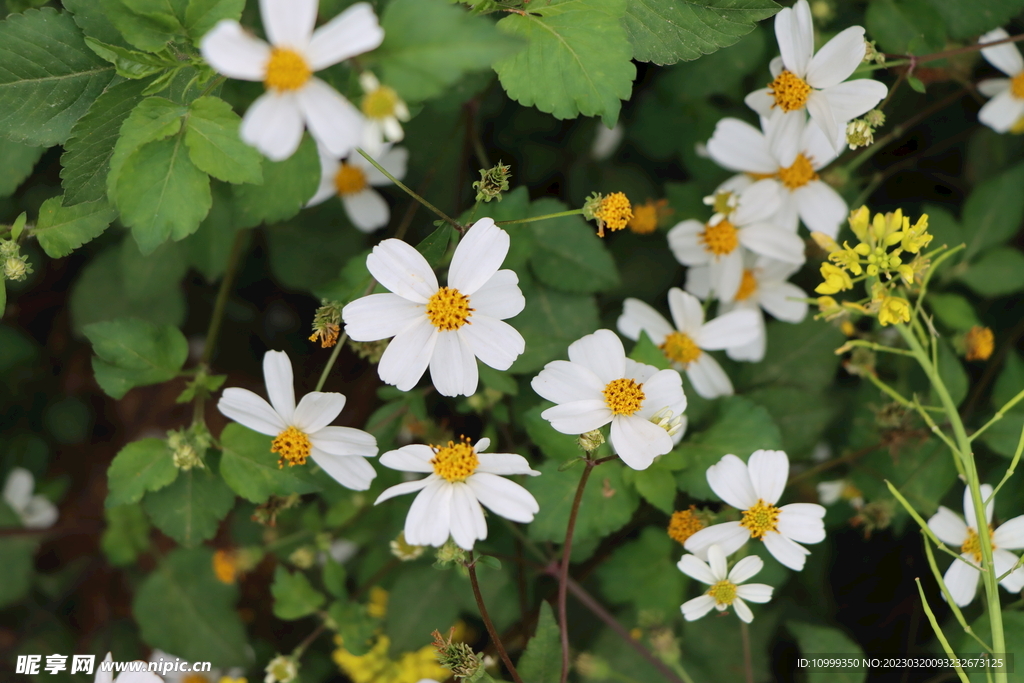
(353,181)
(962,576)
(598,385)
(685,342)
(764,286)
(725,590)
(461,478)
(214,675)
(302,431)
(754,488)
(295,98)
(126,676)
(738,146)
(719,245)
(35,512)
(831,492)
(385,112)
(815,82)
(445,328)
(1007,104)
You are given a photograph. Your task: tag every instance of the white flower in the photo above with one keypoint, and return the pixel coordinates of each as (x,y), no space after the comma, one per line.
(302,431)
(294,98)
(719,243)
(281,669)
(447,328)
(685,343)
(598,385)
(738,146)
(354,179)
(214,675)
(754,488)
(606,141)
(763,286)
(385,112)
(962,576)
(35,512)
(725,590)
(461,478)
(1007,104)
(831,492)
(125,677)
(815,81)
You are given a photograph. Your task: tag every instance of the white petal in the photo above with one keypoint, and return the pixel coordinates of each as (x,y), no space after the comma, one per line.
(478,256)
(1001,112)
(467,517)
(735,328)
(289,23)
(696,568)
(1005,57)
(394,160)
(708,378)
(402,489)
(783,300)
(40,513)
(639,372)
(407,356)
(948,526)
(822,114)
(317,409)
(344,441)
(851,99)
(638,441)
(494,342)
(821,208)
(104,676)
(818,148)
(273,125)
(411,458)
(687,312)
(1003,561)
(777,243)
(500,297)
(503,497)
(716,560)
(351,471)
(759,201)
(746,568)
(795,33)
(453,366)
(783,135)
(786,551)
(837,58)
(1010,534)
(768,472)
(729,535)
(686,245)
(578,417)
(482,445)
(379,316)
(969,510)
(602,353)
(761,101)
(962,581)
(403,270)
(329,167)
(755,592)
(277,374)
(638,315)
(738,146)
(503,463)
(730,481)
(663,389)
(697,607)
(801,522)
(332,119)
(752,352)
(233,52)
(562,382)
(18,487)
(250,410)
(351,33)
(742,611)
(428,522)
(698,281)
(367,210)
(990,87)
(787,217)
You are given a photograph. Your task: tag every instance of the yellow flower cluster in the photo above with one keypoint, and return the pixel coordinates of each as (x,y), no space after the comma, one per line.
(376,667)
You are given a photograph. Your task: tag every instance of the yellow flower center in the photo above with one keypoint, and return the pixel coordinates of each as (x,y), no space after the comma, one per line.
(456,461)
(799,174)
(972,546)
(760,519)
(292,446)
(225,566)
(287,70)
(349,180)
(645,218)
(980,343)
(624,396)
(1017,86)
(381,103)
(684,523)
(748,285)
(720,239)
(789,90)
(448,309)
(724,592)
(680,348)
(614,212)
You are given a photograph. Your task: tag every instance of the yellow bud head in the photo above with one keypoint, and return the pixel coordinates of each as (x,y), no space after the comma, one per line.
(894,310)
(859,219)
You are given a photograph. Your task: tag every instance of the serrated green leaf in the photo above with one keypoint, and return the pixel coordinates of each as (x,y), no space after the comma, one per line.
(997,272)
(722,72)
(569,256)
(154,118)
(126,535)
(287,186)
(578,59)
(214,144)
(542,660)
(993,212)
(643,573)
(953,310)
(815,639)
(667,31)
(93,21)
(202,15)
(147,24)
(549,323)
(190,509)
(62,229)
(127,63)
(182,608)
(19,160)
(48,77)
(251,470)
(294,595)
(141,466)
(132,353)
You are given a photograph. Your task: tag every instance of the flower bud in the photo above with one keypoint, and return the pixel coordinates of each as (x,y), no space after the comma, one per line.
(493,181)
(281,669)
(591,441)
(404,550)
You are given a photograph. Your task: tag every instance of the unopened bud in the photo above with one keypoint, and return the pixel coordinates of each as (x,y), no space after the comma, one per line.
(183,450)
(859,134)
(875,118)
(493,181)
(458,658)
(281,669)
(871,53)
(404,550)
(327,323)
(450,552)
(591,441)
(16,268)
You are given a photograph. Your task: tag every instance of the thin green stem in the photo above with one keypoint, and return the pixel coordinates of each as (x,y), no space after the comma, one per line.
(928,276)
(874,346)
(949,598)
(939,634)
(923,525)
(563,572)
(748,660)
(491,631)
(330,361)
(534,219)
(234,257)
(408,190)
(889,391)
(999,415)
(1012,468)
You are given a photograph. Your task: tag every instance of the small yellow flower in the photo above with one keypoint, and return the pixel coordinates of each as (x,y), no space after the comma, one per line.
(847,258)
(979,343)
(377,606)
(894,309)
(916,237)
(684,523)
(827,244)
(836,280)
(611,211)
(647,216)
(225,566)
(859,220)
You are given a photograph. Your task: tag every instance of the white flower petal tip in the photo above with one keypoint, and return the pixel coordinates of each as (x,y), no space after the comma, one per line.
(727,587)
(35,511)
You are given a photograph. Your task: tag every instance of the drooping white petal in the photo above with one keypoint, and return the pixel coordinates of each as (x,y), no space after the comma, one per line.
(697,607)
(990,87)
(289,23)
(1002,111)
(768,472)
(687,312)
(500,297)
(332,119)
(329,166)
(969,511)
(738,146)
(948,526)
(851,99)
(429,519)
(407,356)
(755,592)
(734,328)
(795,33)
(837,58)
(802,523)
(367,209)
(602,353)
(562,382)
(453,366)
(494,342)
(783,135)
(411,458)
(503,463)
(664,389)
(394,160)
(1004,561)
(402,489)
(233,52)
(250,410)
(467,517)
(344,441)
(478,256)
(730,481)
(1010,534)
(708,378)
(277,374)
(351,33)
(821,208)
(962,581)
(746,568)
(742,611)
(18,488)
(1005,57)
(696,568)
(685,244)
(403,270)
(503,497)
(787,552)
(273,125)
(578,417)
(351,471)
(638,441)
(316,410)
(379,316)
(40,513)
(727,273)
(729,535)
(638,315)
(783,300)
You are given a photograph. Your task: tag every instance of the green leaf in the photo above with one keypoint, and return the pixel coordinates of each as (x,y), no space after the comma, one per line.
(916,84)
(334,577)
(552,444)
(208,249)
(19,160)
(815,640)
(648,353)
(423,601)
(1003,436)
(953,310)
(62,229)
(139,467)
(993,212)
(569,256)
(182,608)
(126,535)
(86,159)
(93,21)
(657,486)
(1009,383)
(970,18)
(132,353)
(952,372)
(251,470)
(128,63)
(665,32)
(997,272)
(202,15)
(907,26)
(48,77)
(723,72)
(434,246)
(577,61)
(17,557)
(147,24)
(294,595)
(542,660)
(190,509)
(287,186)
(643,573)
(214,144)
(418,57)
(800,355)
(355,626)
(549,323)
(154,118)
(801,415)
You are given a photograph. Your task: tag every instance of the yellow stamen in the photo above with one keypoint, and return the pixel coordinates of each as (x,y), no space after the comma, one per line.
(449,309)
(328,335)
(980,342)
(789,90)
(624,396)
(287,70)
(292,446)
(456,461)
(760,519)
(381,103)
(680,348)
(720,239)
(1017,86)
(972,546)
(225,566)
(799,174)
(724,592)
(614,212)
(647,216)
(349,180)
(684,523)
(748,285)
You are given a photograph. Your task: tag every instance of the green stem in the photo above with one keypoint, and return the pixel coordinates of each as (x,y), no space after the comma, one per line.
(234,257)
(573,212)
(330,361)
(940,635)
(748,661)
(408,190)
(1012,468)
(999,415)
(949,598)
(873,346)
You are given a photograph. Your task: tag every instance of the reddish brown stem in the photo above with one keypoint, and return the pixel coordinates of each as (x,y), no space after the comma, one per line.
(563,574)
(495,638)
